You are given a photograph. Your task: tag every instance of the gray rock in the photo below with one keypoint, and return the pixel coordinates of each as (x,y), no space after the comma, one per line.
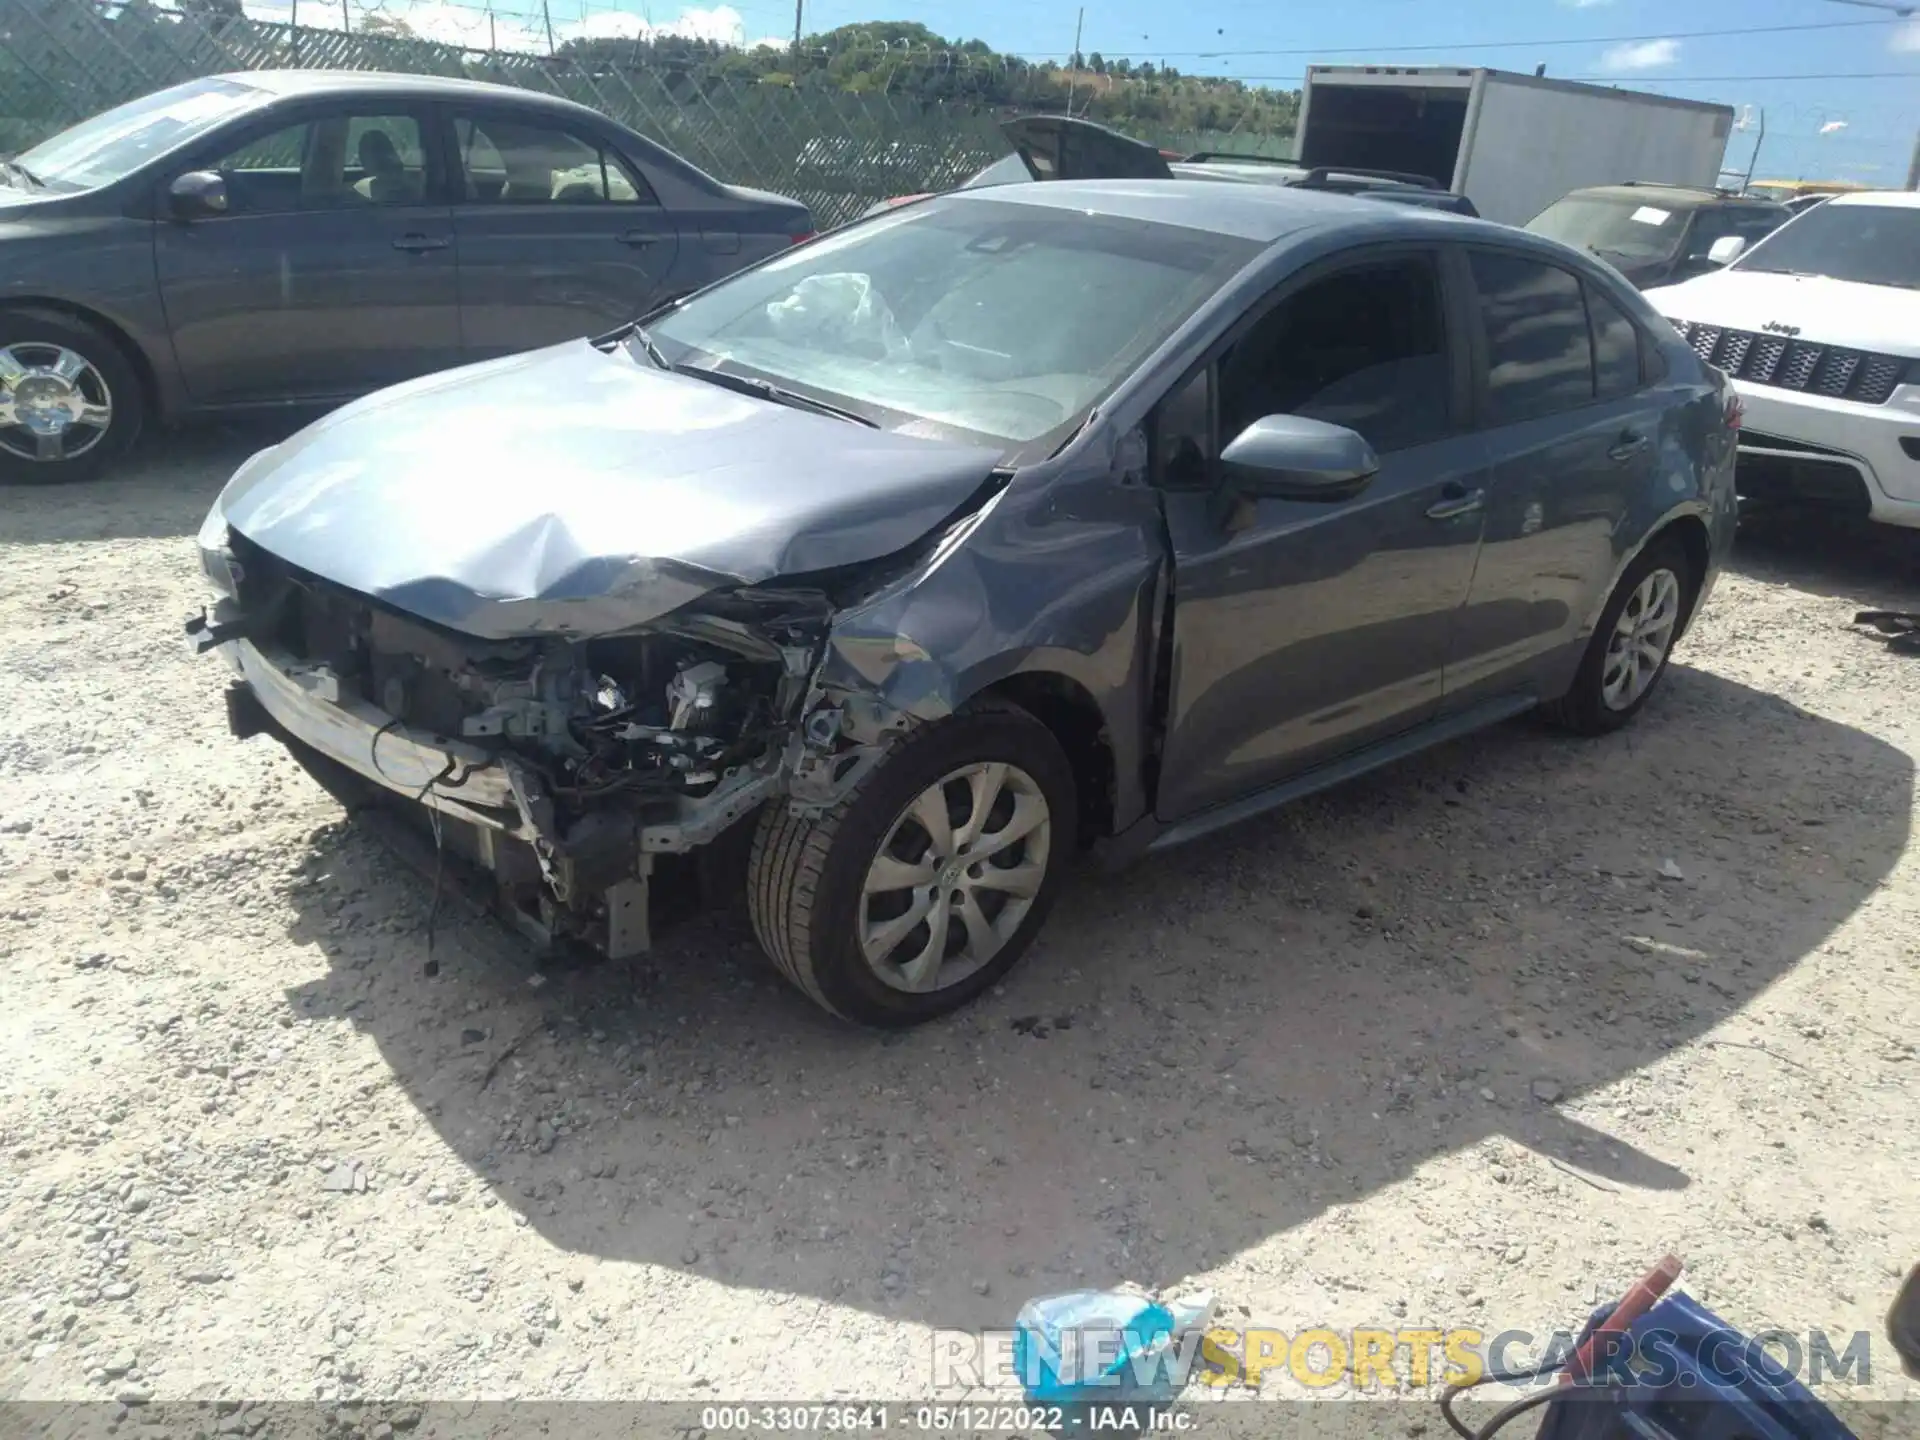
(133,1395)
(1548,1092)
(340,1178)
(120,1364)
(117,1290)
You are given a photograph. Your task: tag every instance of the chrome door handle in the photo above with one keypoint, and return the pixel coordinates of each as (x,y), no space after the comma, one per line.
(639,238)
(1457,502)
(1630,444)
(418,243)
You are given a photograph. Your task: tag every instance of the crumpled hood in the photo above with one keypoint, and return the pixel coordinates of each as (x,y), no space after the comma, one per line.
(1881,318)
(572,491)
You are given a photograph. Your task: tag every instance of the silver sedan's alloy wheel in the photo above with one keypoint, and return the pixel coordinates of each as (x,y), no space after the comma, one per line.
(1640,639)
(54,402)
(958,871)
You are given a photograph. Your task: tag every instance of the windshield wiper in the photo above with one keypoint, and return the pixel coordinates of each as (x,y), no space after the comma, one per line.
(637,335)
(767,390)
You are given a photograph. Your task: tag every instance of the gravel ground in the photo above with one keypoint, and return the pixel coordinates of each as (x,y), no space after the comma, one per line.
(1471,1041)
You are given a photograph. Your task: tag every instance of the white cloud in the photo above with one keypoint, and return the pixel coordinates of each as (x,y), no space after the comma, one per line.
(1641,55)
(722,24)
(466,25)
(1833,127)
(1906,38)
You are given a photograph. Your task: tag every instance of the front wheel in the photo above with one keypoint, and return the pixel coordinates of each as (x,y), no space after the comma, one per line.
(1631,646)
(69,399)
(925,885)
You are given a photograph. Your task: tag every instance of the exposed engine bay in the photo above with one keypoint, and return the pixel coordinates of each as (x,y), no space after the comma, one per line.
(565,768)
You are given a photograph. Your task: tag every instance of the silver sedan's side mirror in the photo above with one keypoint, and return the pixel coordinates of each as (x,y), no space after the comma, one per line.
(1294,458)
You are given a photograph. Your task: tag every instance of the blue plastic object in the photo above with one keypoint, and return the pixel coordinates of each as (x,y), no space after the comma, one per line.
(1693,1377)
(1091,1346)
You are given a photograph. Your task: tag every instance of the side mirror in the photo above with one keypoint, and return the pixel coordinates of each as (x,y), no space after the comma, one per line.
(1903,1324)
(1294,458)
(198,194)
(1727,249)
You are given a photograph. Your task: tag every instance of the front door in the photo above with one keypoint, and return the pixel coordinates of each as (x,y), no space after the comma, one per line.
(1305,630)
(1573,436)
(331,272)
(559,236)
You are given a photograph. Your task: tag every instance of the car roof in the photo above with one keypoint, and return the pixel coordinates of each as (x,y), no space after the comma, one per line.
(1262,213)
(1904,199)
(351,82)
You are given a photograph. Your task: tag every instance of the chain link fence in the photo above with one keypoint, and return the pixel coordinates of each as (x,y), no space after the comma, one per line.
(838,137)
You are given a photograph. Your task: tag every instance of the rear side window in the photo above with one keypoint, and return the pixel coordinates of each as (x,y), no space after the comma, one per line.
(1539,357)
(1616,348)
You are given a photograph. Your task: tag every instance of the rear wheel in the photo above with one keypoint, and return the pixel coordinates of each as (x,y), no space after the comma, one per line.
(70,401)
(925,885)
(1630,648)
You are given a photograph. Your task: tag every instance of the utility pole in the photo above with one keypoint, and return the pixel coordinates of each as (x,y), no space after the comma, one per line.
(1073,60)
(547,15)
(1913,166)
(493,40)
(798,5)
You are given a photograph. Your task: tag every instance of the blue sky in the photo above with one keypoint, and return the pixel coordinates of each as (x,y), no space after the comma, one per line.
(1859,124)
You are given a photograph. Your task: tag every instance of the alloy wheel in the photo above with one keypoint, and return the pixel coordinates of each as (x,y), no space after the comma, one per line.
(1640,640)
(54,403)
(959,869)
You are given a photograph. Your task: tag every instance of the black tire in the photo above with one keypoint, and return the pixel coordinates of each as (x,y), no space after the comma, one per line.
(805,876)
(111,376)
(1584,708)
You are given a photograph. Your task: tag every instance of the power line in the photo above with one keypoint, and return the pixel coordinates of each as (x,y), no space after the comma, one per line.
(1457,45)
(1652,79)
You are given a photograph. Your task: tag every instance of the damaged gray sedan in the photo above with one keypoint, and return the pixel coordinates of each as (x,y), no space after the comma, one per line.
(893,572)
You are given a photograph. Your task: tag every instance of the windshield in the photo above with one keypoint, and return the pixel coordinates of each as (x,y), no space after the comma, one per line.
(114,144)
(1871,244)
(1626,227)
(994,320)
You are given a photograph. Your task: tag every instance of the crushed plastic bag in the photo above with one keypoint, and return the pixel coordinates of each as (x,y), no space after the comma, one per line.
(841,306)
(1106,1347)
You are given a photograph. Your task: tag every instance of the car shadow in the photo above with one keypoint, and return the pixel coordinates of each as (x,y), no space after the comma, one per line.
(1838,556)
(160,489)
(1200,1054)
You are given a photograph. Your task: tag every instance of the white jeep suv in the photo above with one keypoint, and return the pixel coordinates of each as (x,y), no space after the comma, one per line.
(1819,327)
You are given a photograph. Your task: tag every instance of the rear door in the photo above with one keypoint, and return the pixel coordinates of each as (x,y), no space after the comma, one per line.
(558,234)
(331,272)
(1573,428)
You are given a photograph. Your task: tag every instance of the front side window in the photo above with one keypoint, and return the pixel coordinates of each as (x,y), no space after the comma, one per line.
(1539,357)
(114,144)
(1364,348)
(1869,244)
(970,314)
(511,161)
(329,163)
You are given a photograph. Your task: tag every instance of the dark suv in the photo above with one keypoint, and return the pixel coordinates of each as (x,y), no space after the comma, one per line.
(1657,234)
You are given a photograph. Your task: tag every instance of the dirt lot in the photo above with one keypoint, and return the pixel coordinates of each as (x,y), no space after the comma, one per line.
(1444,1047)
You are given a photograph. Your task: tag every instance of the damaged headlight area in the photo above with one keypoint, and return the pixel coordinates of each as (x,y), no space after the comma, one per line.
(565,769)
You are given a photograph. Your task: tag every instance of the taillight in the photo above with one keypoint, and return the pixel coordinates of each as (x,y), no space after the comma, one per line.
(804,236)
(1736,412)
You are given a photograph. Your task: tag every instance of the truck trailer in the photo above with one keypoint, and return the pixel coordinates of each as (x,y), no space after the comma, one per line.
(1512,144)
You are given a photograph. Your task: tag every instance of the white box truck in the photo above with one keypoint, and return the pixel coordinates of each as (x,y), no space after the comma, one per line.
(1512,144)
